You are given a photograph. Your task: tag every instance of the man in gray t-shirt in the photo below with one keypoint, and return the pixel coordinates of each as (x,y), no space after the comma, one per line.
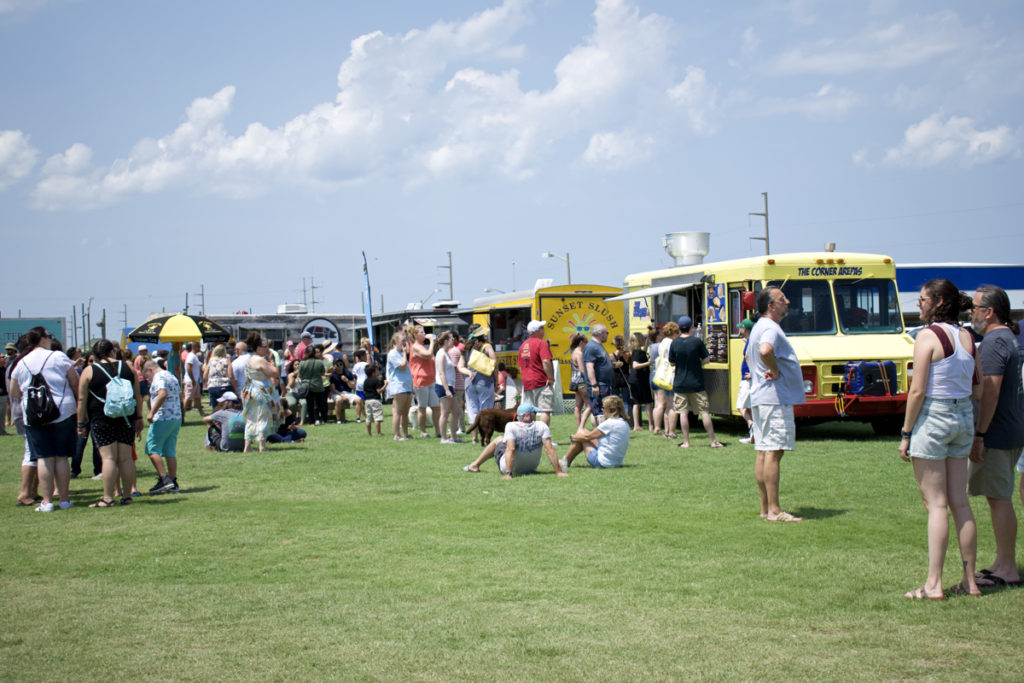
(227,418)
(776,384)
(999,434)
(519,451)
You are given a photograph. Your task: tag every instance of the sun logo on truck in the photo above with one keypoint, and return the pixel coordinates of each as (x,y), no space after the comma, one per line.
(580,322)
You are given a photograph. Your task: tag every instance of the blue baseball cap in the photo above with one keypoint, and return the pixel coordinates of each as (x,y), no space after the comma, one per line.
(685,322)
(525,408)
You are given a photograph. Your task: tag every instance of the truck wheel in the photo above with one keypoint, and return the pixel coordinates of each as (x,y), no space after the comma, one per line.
(887,426)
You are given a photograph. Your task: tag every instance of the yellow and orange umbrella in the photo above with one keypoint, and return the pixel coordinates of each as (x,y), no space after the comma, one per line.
(179,328)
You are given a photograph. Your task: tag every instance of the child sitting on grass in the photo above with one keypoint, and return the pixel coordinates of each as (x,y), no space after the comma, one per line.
(373,387)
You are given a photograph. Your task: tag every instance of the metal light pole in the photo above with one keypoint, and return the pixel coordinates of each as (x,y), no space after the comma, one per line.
(767,246)
(568,273)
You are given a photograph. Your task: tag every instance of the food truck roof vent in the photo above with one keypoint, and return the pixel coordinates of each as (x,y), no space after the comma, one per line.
(687,248)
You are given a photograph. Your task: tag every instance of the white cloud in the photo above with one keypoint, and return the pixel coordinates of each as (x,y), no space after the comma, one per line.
(17,157)
(828,102)
(750,42)
(184,156)
(414,106)
(935,141)
(912,42)
(12,6)
(698,98)
(617,150)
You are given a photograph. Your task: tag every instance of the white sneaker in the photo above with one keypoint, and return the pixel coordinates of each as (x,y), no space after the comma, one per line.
(64,505)
(447,441)
(564,465)
(45,507)
(747,439)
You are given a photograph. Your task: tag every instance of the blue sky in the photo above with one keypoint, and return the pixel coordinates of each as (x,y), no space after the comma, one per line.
(148,149)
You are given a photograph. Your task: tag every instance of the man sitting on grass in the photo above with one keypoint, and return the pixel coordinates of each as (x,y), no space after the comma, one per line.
(606,445)
(226,426)
(518,452)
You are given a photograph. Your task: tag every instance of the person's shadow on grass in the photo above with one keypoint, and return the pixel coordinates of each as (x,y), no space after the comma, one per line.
(818,513)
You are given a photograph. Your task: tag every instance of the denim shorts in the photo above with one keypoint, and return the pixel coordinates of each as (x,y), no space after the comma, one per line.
(944,429)
(594,461)
(597,399)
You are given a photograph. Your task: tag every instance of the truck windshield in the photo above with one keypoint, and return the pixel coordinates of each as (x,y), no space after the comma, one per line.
(810,307)
(867,306)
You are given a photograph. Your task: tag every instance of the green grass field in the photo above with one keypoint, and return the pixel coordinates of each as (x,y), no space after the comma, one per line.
(364,559)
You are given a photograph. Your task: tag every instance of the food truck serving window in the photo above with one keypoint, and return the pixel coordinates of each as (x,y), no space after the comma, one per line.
(867,306)
(509,325)
(810,307)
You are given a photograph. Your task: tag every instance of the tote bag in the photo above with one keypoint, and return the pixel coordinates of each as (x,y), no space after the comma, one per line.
(481,362)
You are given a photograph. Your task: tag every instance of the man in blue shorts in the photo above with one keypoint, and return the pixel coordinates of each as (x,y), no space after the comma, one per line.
(597,369)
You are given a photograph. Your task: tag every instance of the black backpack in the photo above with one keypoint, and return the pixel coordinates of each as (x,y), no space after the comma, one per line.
(39,406)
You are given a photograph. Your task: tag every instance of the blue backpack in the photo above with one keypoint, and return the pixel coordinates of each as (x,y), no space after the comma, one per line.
(120,401)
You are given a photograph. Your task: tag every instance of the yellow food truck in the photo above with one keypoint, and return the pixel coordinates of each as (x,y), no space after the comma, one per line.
(844,323)
(565,309)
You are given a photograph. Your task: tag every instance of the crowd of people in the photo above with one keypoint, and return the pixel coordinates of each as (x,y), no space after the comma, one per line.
(258,396)
(963,428)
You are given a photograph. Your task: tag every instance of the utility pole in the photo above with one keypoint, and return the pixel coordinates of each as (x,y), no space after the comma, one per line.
(186,303)
(85,330)
(74,327)
(202,299)
(312,292)
(451,278)
(304,301)
(124,316)
(767,246)
(102,324)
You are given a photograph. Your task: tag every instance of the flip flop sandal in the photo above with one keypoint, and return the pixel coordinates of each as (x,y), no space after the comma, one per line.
(784,517)
(960,590)
(103,503)
(993,580)
(919,594)
(126,501)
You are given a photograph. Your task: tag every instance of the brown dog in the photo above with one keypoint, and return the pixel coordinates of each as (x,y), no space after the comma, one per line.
(492,420)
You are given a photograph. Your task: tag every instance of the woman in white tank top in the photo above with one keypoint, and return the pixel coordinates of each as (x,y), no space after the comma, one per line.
(938,430)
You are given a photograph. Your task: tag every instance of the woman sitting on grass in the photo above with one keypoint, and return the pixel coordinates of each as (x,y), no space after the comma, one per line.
(938,430)
(606,445)
(289,431)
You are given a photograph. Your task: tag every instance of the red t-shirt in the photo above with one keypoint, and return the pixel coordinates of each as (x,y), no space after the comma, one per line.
(422,371)
(532,355)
